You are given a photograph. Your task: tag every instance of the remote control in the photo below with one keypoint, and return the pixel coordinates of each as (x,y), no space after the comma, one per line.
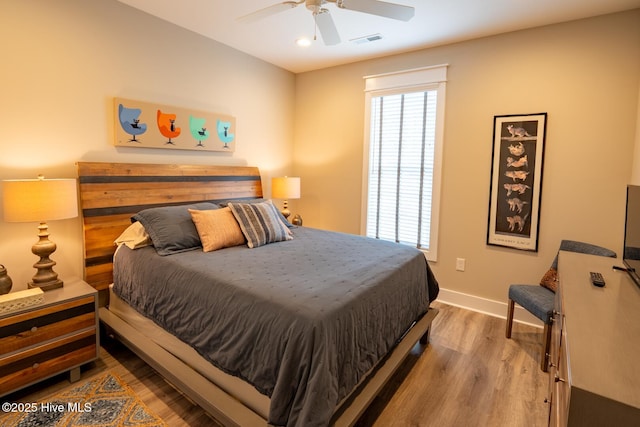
(597,279)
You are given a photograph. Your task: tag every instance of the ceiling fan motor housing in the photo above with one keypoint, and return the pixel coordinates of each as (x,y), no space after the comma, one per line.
(314,5)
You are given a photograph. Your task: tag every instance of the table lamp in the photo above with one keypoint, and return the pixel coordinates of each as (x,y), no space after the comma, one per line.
(285,187)
(41,200)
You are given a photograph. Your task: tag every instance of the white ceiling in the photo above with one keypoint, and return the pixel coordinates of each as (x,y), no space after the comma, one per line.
(436,22)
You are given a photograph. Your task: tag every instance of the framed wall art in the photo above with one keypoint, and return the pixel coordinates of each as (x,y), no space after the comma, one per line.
(516,180)
(149,125)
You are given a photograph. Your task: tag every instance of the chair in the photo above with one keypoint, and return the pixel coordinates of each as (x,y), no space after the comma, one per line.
(130,121)
(198,129)
(539,300)
(223,132)
(167,126)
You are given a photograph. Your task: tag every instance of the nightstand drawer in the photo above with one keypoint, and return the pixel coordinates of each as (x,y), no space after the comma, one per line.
(40,361)
(49,323)
(58,336)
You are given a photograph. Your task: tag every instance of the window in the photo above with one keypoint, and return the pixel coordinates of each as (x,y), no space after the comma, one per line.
(403,157)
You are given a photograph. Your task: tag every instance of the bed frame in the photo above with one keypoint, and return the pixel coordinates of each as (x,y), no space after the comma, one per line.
(110,193)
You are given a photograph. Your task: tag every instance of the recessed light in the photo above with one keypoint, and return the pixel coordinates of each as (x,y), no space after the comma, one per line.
(303,42)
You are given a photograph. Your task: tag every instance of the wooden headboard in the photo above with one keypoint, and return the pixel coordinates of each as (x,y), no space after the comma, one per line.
(110,193)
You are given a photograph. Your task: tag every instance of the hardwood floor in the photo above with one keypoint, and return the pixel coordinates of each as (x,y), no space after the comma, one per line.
(469,375)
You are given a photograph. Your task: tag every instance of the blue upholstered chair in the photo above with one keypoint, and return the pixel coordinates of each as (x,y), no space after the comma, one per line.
(538,300)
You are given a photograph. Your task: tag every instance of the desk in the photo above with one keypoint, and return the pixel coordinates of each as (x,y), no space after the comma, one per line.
(595,349)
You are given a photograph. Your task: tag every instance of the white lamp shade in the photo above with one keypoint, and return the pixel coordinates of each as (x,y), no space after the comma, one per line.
(286,187)
(39,200)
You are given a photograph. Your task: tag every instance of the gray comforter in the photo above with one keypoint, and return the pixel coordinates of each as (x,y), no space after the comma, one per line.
(302,320)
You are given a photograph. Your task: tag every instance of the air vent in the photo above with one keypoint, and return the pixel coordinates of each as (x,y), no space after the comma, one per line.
(367,39)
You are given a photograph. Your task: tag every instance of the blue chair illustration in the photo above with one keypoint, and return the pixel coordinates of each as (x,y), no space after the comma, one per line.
(130,121)
(224,132)
(198,129)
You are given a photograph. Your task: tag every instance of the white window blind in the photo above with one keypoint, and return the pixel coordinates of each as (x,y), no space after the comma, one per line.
(403,158)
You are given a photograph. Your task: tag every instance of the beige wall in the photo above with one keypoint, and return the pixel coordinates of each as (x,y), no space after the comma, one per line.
(635,171)
(62,63)
(584,74)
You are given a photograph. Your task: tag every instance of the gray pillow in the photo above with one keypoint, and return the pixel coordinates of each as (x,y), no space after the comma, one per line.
(171,228)
(225,203)
(260,223)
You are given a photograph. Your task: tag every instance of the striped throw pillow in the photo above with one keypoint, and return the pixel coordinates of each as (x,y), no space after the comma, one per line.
(260,223)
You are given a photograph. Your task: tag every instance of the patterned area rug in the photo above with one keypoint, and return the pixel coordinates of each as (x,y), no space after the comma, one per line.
(104,401)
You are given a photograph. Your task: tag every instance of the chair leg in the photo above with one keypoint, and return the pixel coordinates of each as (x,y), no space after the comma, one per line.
(509,318)
(546,348)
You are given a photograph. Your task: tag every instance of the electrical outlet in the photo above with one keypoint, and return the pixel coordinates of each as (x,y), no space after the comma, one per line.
(460,264)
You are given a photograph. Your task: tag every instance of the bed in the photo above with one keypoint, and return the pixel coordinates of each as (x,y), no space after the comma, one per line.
(301,330)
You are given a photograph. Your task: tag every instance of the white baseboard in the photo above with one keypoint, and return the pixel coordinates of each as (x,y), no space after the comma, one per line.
(487,306)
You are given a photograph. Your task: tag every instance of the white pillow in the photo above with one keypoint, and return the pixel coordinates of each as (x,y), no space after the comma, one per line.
(134,237)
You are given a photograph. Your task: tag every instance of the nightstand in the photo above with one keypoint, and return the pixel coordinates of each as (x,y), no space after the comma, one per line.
(47,339)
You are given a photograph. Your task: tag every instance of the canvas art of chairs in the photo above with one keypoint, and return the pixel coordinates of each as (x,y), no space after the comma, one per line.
(132,121)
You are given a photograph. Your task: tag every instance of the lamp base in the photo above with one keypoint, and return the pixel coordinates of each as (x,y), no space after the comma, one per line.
(47,286)
(285,210)
(45,278)
(297,220)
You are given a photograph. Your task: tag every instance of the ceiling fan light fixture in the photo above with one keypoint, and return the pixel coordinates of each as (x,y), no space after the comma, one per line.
(303,42)
(323,20)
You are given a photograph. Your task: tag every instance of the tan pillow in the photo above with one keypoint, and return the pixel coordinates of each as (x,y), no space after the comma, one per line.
(217,229)
(550,280)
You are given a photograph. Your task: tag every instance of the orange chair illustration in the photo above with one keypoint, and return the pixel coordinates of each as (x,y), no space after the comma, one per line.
(167,126)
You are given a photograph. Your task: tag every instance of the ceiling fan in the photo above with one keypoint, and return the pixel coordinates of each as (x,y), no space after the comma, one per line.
(324,21)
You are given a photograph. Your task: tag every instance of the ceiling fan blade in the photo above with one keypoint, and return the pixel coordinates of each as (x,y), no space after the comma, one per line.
(380,8)
(268,11)
(327,28)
